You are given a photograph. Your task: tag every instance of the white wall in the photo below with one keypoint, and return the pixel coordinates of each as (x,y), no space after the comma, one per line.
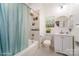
(68,9)
(55,10)
(42,21)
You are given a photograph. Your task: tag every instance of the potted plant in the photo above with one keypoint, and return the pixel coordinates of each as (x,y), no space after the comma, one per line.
(48,30)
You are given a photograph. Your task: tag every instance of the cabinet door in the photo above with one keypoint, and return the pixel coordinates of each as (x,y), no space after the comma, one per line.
(57,43)
(67,43)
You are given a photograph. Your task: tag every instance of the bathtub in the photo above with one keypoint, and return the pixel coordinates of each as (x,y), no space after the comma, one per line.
(27,51)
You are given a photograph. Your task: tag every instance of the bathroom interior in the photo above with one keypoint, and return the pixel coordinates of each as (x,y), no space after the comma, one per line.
(39,29)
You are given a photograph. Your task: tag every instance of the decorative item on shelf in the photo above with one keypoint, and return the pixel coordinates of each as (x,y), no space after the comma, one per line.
(57,23)
(34,15)
(33,24)
(48,30)
(31,14)
(32,34)
(35,29)
(70,30)
(35,18)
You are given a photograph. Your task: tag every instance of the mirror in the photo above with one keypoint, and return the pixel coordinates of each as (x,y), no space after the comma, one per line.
(63,21)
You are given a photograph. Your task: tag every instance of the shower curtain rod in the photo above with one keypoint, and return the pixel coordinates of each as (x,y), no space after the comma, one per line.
(29,7)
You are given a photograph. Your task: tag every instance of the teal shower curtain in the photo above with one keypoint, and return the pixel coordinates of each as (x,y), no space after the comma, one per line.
(13,28)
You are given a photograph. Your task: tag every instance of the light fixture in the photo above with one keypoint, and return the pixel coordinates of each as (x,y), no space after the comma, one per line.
(61,6)
(61,9)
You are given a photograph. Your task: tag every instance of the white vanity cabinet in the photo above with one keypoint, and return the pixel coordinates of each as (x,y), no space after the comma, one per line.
(63,43)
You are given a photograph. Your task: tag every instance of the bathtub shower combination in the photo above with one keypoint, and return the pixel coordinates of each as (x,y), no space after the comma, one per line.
(13,28)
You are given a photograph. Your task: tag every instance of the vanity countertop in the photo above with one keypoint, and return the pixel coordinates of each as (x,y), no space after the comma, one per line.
(58,34)
(62,34)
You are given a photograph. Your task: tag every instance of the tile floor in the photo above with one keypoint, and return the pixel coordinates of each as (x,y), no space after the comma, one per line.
(39,51)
